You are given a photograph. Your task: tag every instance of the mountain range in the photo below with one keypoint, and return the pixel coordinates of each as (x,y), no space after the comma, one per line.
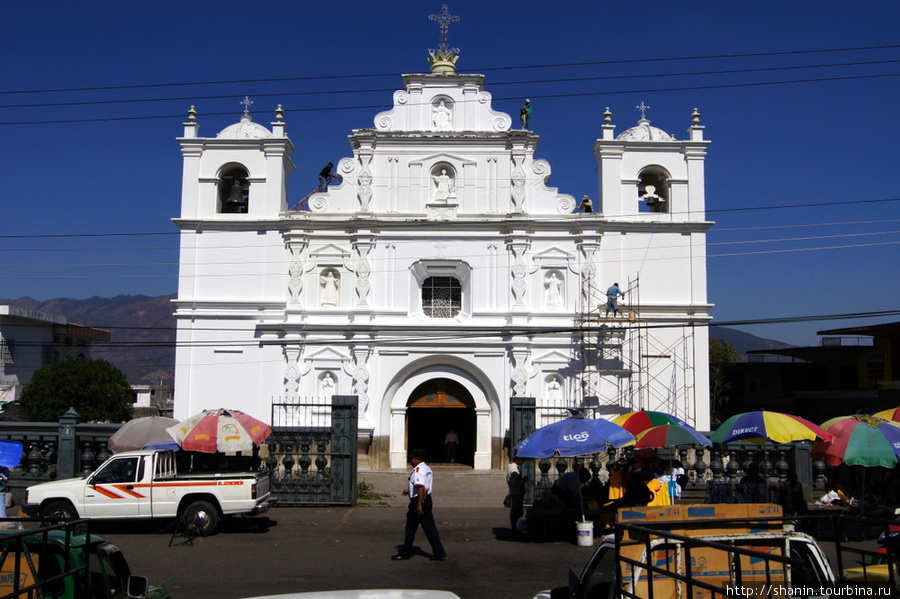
(143,332)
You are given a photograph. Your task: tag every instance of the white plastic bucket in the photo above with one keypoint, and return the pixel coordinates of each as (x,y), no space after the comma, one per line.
(584,534)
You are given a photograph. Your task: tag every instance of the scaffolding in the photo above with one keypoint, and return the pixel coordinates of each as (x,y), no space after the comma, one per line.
(627,365)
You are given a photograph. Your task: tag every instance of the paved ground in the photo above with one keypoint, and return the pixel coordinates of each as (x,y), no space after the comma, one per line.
(308,549)
(344,548)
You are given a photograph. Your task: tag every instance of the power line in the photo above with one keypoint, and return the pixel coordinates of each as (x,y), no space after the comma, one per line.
(532,95)
(493,84)
(341,225)
(463,256)
(500,68)
(465,332)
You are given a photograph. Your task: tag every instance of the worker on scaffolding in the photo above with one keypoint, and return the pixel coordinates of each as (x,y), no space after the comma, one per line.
(612,299)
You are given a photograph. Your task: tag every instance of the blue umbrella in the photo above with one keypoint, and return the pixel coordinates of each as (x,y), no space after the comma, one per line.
(10,454)
(573,437)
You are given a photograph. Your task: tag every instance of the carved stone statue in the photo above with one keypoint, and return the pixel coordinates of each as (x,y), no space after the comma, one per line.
(330,285)
(440,116)
(553,285)
(554,390)
(444,188)
(327,386)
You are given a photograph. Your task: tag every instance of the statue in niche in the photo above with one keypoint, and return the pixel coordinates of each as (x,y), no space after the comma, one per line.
(554,390)
(553,285)
(444,188)
(440,116)
(330,285)
(328,386)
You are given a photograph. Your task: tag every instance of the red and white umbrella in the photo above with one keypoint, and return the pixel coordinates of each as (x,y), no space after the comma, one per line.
(220,430)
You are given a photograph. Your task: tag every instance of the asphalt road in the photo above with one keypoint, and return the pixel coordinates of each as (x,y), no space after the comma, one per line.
(312,549)
(309,549)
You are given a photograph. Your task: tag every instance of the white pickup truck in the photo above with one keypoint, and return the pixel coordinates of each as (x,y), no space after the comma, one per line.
(145,484)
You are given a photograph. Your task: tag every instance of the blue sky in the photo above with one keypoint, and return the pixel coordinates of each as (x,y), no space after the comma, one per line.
(93,174)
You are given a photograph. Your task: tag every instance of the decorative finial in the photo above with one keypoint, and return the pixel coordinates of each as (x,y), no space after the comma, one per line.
(607,116)
(443,60)
(246,102)
(192,114)
(695,117)
(643,110)
(279,113)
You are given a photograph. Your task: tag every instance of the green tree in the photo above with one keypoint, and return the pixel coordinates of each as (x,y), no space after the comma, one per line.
(721,354)
(97,390)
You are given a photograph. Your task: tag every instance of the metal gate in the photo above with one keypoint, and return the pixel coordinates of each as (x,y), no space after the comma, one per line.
(312,452)
(522,420)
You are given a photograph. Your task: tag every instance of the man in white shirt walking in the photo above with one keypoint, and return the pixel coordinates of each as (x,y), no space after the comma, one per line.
(419,512)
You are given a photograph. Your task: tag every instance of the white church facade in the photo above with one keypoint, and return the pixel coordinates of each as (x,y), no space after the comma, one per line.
(441,276)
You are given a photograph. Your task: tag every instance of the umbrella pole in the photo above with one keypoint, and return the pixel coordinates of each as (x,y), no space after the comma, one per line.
(862,500)
(581,503)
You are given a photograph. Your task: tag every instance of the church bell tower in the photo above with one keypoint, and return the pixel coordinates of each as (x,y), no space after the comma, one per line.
(241,174)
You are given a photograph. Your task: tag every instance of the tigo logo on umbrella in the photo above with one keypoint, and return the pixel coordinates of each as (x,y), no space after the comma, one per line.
(580,437)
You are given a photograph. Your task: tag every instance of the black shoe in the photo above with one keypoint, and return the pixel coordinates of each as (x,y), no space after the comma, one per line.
(400,557)
(438,558)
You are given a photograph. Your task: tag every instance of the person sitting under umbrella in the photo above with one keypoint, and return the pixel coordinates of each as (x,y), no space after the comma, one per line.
(568,488)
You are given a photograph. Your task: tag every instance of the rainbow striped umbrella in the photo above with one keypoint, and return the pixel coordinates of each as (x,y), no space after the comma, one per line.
(636,422)
(892,414)
(860,440)
(762,426)
(667,435)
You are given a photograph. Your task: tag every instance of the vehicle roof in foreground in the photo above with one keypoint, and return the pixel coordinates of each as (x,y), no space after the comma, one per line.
(366,594)
(77,538)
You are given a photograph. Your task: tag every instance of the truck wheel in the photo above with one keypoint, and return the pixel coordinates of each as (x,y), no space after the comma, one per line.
(200,518)
(59,510)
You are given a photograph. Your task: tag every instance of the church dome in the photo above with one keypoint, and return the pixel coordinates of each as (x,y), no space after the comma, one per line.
(644,132)
(246,129)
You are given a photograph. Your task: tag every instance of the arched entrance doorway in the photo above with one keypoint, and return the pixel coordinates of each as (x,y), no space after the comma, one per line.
(434,409)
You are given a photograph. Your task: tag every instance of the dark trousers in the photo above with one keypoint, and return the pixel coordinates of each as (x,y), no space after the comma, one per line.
(516,509)
(426,520)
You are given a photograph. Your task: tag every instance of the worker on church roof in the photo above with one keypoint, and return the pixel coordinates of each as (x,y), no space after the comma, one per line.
(586,206)
(326,176)
(525,113)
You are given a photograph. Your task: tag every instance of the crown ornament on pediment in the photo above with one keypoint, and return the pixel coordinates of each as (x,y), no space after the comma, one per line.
(443,62)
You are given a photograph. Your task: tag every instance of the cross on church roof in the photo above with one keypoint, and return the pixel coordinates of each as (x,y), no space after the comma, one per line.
(246,102)
(444,18)
(643,110)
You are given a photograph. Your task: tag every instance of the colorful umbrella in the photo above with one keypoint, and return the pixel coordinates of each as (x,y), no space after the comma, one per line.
(573,437)
(220,430)
(635,422)
(762,425)
(667,435)
(149,432)
(860,441)
(892,414)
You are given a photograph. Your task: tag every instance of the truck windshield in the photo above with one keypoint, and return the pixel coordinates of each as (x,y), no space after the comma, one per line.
(601,572)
